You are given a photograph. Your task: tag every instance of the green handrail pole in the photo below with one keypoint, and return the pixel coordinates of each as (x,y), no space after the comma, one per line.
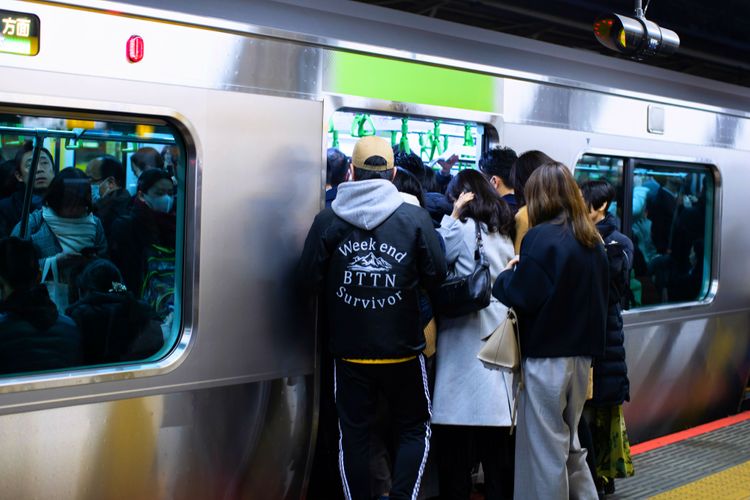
(29,191)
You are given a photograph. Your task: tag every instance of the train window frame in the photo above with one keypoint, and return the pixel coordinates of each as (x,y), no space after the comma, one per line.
(678,164)
(180,339)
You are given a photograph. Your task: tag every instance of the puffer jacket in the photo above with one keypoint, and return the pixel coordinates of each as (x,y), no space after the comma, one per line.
(611,384)
(33,336)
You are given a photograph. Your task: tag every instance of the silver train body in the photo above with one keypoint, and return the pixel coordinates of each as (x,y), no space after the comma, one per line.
(231,412)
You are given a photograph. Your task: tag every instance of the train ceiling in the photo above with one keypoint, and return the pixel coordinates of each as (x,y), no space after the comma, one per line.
(715,35)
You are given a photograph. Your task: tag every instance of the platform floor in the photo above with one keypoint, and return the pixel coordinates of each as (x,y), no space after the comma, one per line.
(711,462)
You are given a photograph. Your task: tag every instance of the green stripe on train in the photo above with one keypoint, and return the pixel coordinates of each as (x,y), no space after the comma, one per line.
(393,80)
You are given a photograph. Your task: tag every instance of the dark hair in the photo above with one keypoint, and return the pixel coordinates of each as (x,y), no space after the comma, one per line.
(552,191)
(27,147)
(406,182)
(8,181)
(487,206)
(151,176)
(410,161)
(110,167)
(69,188)
(429,182)
(99,276)
(597,193)
(336,166)
(361,174)
(147,158)
(19,264)
(522,169)
(499,162)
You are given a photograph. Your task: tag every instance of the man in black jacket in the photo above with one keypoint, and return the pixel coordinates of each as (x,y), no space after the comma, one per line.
(366,256)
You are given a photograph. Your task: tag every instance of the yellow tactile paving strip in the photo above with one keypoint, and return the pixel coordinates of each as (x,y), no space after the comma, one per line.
(732,483)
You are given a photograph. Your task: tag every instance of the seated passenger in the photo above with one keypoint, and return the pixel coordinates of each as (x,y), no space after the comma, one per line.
(114,325)
(11,207)
(111,199)
(143,242)
(33,336)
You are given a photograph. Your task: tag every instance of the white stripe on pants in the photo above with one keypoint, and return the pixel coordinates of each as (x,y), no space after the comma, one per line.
(550,463)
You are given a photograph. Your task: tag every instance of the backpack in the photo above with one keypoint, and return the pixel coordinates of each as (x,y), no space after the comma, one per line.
(619,274)
(159,280)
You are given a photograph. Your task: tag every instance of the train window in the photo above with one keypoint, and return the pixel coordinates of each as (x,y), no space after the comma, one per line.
(455,143)
(608,168)
(666,209)
(90,228)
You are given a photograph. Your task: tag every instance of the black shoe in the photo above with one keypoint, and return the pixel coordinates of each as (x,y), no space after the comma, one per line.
(609,486)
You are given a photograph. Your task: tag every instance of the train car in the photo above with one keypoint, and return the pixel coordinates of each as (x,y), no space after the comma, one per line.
(242,99)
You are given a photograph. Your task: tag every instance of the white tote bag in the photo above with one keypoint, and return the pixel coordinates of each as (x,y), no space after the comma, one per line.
(57,290)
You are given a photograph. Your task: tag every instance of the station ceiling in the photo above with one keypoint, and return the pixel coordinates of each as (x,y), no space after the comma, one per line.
(714,35)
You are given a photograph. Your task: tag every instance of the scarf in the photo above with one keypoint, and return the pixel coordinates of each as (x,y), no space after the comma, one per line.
(73,234)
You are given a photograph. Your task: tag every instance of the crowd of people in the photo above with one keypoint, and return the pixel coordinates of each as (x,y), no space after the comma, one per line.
(407,409)
(89,279)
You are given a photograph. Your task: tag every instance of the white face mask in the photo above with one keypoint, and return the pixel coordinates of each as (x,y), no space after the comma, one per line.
(159,203)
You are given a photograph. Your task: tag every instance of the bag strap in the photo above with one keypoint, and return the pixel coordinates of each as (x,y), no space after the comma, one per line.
(50,264)
(516,331)
(479,250)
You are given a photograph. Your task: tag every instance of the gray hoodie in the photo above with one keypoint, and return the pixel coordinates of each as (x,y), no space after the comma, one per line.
(366,204)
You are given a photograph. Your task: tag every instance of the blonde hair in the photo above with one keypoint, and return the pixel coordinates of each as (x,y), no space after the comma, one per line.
(550,192)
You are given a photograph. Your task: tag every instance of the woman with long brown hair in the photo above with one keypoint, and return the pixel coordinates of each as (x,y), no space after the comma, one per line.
(472,404)
(558,288)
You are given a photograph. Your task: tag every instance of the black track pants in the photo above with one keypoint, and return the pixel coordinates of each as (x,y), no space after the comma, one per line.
(404,385)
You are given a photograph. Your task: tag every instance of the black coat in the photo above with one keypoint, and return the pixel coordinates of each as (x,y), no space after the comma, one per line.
(370,280)
(33,336)
(11,208)
(559,292)
(110,207)
(116,327)
(611,385)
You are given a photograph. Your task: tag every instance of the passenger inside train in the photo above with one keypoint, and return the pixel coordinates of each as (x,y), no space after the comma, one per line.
(104,260)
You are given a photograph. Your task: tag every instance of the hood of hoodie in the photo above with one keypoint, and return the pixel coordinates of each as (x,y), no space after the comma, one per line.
(366,204)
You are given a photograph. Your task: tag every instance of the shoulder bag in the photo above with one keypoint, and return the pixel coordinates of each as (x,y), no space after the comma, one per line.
(503,350)
(467,294)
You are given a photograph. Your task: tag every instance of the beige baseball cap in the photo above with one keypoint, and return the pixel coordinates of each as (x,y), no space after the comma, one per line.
(370,146)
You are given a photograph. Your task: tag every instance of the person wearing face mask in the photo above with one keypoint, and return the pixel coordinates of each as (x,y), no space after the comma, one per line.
(65,231)
(148,230)
(111,199)
(11,207)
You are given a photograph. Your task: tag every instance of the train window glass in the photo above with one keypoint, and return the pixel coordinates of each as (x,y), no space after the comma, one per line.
(666,209)
(608,168)
(431,139)
(672,235)
(93,275)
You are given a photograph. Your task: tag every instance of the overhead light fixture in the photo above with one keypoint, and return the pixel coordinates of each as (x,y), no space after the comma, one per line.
(636,36)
